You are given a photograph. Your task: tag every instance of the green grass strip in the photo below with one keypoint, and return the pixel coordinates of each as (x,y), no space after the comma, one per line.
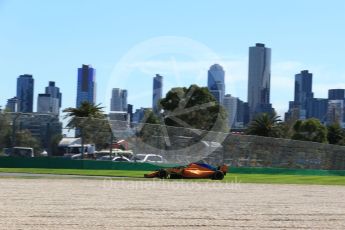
(285,179)
(84,172)
(229,178)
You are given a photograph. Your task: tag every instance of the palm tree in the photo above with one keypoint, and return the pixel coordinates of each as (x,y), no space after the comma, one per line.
(81,117)
(86,109)
(265,124)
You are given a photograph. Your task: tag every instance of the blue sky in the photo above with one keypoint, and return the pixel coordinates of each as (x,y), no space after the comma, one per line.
(128,42)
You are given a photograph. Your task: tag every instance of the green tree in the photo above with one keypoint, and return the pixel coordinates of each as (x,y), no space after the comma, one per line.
(91,123)
(25,139)
(335,133)
(54,143)
(193,107)
(265,124)
(310,130)
(341,142)
(5,130)
(150,117)
(85,110)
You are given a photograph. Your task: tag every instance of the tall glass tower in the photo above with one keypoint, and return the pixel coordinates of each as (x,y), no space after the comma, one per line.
(54,91)
(259,77)
(303,93)
(336,94)
(118,100)
(157,92)
(230,104)
(86,86)
(25,93)
(50,101)
(215,82)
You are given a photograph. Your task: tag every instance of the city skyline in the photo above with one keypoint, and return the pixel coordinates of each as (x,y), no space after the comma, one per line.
(215,78)
(305,40)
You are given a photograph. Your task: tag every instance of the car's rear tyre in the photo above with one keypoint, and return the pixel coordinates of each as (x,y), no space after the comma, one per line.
(218,168)
(162,174)
(218,175)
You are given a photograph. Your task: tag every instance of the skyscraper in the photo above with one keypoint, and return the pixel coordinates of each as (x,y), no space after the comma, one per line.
(12,105)
(259,77)
(215,82)
(157,92)
(303,94)
(118,100)
(115,101)
(130,112)
(50,101)
(335,112)
(319,109)
(86,86)
(230,104)
(54,92)
(336,94)
(139,115)
(25,93)
(240,114)
(44,103)
(124,103)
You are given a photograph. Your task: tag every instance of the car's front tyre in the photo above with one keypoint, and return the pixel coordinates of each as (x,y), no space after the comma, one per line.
(162,174)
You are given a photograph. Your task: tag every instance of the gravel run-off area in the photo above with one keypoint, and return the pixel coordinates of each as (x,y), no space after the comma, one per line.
(51,203)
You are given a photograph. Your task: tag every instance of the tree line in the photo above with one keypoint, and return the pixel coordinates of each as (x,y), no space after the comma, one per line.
(9,135)
(270,125)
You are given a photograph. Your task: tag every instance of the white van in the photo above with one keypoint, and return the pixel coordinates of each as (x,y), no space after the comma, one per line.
(22,152)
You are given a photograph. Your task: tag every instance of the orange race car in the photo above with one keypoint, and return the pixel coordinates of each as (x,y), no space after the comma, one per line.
(191,171)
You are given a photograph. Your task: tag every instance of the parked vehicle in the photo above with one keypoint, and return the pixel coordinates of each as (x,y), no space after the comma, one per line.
(76,148)
(149,158)
(121,159)
(78,156)
(21,152)
(114,159)
(105,158)
(115,152)
(70,146)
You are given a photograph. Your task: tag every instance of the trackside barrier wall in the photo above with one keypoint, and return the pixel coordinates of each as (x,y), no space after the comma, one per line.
(61,163)
(304,172)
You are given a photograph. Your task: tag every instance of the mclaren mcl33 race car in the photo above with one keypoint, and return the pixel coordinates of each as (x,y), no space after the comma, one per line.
(191,171)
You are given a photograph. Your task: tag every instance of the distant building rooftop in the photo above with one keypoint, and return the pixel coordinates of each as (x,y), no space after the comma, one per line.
(260,45)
